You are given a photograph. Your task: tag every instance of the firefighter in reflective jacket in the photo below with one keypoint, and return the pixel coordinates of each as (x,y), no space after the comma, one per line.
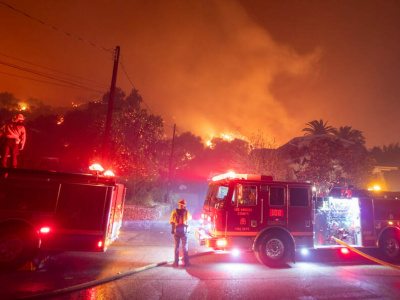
(180,228)
(13,136)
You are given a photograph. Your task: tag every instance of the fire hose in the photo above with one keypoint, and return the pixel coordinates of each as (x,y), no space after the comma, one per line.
(101,281)
(366,255)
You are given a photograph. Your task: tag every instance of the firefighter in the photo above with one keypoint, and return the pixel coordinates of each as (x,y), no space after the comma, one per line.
(178,220)
(14,136)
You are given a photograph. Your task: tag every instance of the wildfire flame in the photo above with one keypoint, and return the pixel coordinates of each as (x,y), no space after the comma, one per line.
(23,106)
(229,137)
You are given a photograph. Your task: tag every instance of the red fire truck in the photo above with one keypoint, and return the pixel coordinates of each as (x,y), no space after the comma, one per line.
(274,219)
(52,211)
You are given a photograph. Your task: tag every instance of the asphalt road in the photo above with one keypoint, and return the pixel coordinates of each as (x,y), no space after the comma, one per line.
(321,275)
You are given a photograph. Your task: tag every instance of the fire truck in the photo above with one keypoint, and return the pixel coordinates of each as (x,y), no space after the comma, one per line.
(53,211)
(276,219)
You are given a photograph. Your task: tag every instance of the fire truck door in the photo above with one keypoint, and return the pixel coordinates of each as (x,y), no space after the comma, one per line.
(274,205)
(367,222)
(300,212)
(244,215)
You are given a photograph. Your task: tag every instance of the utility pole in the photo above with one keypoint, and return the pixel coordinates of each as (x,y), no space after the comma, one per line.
(107,131)
(170,164)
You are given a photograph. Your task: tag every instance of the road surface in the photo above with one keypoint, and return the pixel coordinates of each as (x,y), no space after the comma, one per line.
(321,275)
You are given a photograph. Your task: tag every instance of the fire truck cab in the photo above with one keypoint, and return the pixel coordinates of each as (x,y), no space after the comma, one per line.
(274,219)
(52,211)
(253,212)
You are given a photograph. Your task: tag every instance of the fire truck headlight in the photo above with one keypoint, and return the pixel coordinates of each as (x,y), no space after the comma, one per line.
(304,251)
(235,252)
(209,226)
(221,243)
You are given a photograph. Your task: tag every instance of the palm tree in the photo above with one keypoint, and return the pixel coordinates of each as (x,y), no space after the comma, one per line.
(318,127)
(349,134)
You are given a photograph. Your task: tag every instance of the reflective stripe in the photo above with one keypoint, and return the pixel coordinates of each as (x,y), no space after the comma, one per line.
(251,233)
(302,233)
(232,233)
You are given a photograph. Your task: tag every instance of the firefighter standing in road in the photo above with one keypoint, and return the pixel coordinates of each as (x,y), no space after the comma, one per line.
(13,135)
(178,220)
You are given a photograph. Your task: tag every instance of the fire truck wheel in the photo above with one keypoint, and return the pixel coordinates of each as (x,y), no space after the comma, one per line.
(17,246)
(390,246)
(273,250)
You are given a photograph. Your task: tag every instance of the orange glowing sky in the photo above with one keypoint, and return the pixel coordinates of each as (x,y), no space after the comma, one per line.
(219,66)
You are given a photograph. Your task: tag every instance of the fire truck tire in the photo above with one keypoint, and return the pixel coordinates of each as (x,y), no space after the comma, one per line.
(390,246)
(273,250)
(17,246)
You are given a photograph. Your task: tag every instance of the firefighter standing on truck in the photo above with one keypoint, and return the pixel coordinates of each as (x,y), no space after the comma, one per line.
(13,136)
(178,221)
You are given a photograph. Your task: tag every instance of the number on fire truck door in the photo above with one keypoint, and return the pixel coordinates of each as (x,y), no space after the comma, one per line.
(274,206)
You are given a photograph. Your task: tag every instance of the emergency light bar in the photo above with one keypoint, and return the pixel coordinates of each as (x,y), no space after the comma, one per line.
(224,176)
(109,173)
(232,175)
(96,167)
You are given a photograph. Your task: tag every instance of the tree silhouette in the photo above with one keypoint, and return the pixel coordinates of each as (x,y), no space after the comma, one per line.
(318,127)
(388,155)
(349,134)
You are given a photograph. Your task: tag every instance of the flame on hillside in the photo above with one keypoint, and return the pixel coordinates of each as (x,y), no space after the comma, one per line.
(23,106)
(228,137)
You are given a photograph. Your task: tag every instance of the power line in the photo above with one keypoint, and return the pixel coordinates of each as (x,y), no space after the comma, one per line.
(78,84)
(123,68)
(126,74)
(64,85)
(55,28)
(54,77)
(53,70)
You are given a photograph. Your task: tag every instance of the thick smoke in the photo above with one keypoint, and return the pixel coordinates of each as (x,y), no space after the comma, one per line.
(212,68)
(205,65)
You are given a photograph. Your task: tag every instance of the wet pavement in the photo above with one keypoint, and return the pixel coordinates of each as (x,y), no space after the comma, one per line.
(323,274)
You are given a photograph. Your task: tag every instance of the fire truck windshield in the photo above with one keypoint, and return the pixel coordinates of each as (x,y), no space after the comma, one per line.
(217,195)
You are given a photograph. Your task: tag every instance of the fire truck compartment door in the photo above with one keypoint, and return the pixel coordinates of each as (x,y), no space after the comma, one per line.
(81,207)
(300,211)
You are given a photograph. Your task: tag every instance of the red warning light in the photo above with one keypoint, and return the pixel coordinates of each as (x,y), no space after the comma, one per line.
(44,230)
(344,251)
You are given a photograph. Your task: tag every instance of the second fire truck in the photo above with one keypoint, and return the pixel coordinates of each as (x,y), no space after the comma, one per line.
(43,211)
(274,219)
